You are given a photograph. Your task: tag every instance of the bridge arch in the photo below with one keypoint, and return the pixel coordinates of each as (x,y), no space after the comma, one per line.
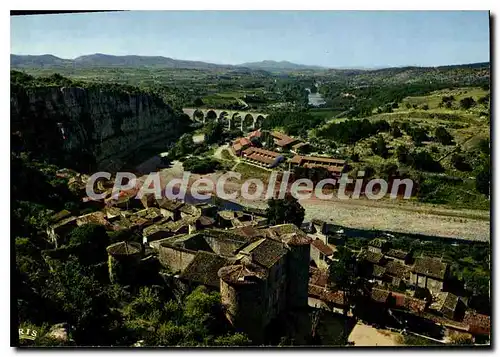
(258,121)
(211,115)
(236,121)
(198,115)
(248,122)
(224,119)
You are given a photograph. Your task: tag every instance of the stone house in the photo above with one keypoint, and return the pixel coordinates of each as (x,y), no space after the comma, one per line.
(479,324)
(320,296)
(321,254)
(260,276)
(430,273)
(378,245)
(170,208)
(59,231)
(446,304)
(398,256)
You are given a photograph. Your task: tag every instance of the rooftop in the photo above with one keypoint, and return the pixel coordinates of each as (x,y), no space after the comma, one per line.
(281,139)
(265,252)
(318,277)
(378,271)
(335,297)
(407,302)
(242,274)
(60,215)
(477,321)
(396,253)
(444,302)
(204,268)
(322,247)
(124,248)
(300,159)
(299,145)
(397,269)
(380,295)
(94,217)
(372,257)
(431,267)
(377,242)
(289,233)
(169,204)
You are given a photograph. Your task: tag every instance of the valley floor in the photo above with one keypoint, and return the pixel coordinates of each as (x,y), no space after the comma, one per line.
(400,216)
(403,218)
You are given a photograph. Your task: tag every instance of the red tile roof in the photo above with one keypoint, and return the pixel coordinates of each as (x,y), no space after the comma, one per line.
(478,323)
(299,145)
(282,139)
(244,141)
(407,302)
(332,165)
(248,151)
(322,247)
(380,295)
(261,155)
(318,277)
(255,134)
(318,287)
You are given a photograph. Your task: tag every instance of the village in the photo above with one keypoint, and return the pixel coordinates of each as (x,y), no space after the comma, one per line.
(264,272)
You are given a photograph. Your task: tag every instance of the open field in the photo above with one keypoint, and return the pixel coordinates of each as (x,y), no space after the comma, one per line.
(365,335)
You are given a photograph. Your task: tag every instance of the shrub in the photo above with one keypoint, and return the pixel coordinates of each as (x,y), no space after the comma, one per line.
(458,161)
(201,165)
(443,136)
(467,103)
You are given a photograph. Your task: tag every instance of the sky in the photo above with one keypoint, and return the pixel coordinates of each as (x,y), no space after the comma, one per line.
(335,39)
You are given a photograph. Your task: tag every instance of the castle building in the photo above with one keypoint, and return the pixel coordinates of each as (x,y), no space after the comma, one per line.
(260,277)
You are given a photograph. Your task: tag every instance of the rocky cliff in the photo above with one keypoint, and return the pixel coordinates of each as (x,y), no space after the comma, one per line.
(91,128)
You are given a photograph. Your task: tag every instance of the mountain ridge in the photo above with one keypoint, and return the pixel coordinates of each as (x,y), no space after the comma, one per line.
(106,60)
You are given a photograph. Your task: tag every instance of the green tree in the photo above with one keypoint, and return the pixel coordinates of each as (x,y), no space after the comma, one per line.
(381,148)
(342,276)
(82,299)
(198,102)
(184,146)
(467,103)
(201,165)
(287,210)
(403,154)
(214,132)
(443,136)
(484,100)
(396,132)
(458,161)
(483,179)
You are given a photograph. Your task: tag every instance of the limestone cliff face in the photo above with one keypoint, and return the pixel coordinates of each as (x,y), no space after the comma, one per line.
(102,126)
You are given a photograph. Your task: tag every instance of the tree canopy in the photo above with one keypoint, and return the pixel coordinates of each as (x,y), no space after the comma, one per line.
(287,210)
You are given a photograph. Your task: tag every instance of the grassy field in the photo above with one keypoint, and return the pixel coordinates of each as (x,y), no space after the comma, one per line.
(249,171)
(467,128)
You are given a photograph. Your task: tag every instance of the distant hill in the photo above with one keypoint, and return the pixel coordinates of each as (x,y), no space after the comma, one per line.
(38,61)
(103,60)
(97,60)
(279,66)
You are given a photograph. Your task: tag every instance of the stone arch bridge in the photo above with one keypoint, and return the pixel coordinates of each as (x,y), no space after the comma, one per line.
(240,119)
